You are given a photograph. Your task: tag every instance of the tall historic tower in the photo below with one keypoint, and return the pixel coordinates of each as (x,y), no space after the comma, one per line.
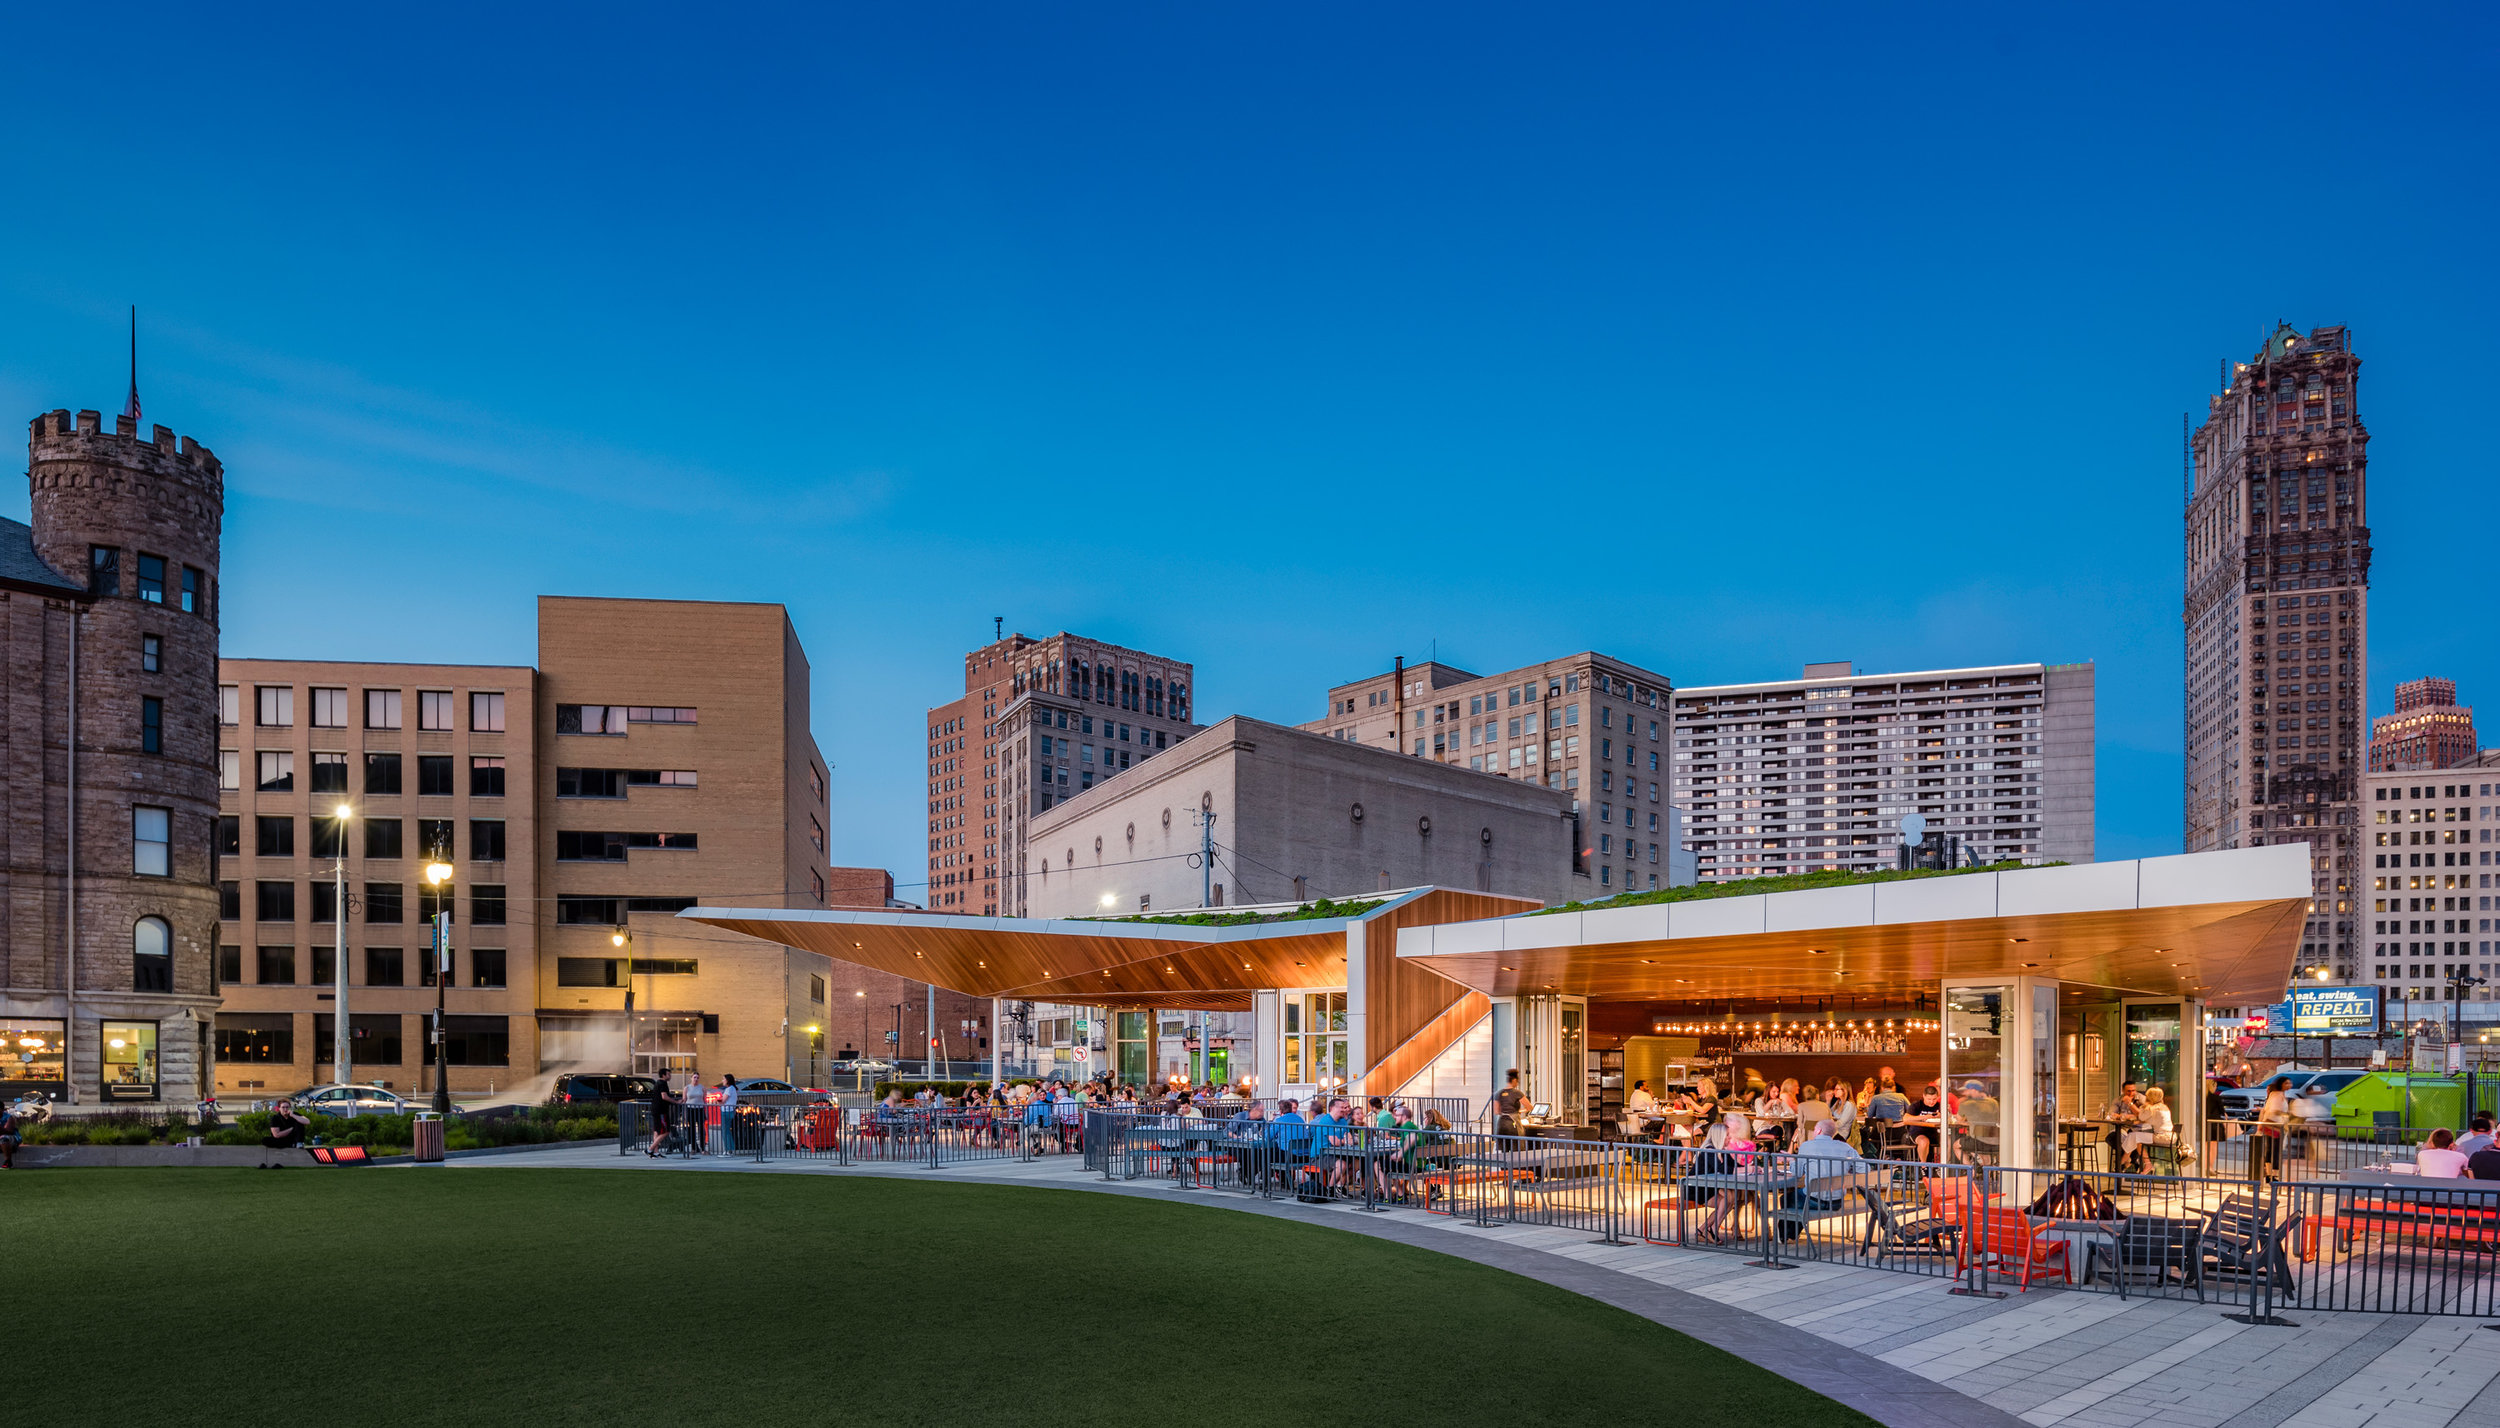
(109,764)
(2277,616)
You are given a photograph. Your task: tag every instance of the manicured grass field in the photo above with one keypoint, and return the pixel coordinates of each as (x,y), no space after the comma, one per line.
(554,1297)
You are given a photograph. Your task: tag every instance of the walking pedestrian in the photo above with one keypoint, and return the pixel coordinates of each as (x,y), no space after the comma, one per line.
(660,1099)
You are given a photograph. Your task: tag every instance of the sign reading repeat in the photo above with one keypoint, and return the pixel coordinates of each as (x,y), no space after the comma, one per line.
(2318,1010)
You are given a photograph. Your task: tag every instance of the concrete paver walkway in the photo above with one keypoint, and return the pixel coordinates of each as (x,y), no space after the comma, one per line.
(1900,1349)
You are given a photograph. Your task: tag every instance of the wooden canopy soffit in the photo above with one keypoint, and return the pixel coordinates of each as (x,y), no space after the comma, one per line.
(1098,963)
(2227,953)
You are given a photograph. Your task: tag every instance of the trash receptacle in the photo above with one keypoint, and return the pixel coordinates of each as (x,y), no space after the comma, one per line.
(428,1131)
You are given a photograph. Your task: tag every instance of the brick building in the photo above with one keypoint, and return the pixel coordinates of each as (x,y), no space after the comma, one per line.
(657,756)
(1586,724)
(108,768)
(2429,729)
(1039,722)
(2277,615)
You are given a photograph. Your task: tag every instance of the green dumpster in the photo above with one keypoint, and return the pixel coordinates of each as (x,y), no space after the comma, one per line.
(2409,1099)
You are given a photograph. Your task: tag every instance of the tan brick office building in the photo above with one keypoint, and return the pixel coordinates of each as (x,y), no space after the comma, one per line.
(656,757)
(1587,725)
(1039,722)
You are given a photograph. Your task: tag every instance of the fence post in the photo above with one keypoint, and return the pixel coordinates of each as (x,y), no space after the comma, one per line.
(1611,1164)
(929,1127)
(1098,1123)
(1975,1199)
(1765,1169)
(1491,1153)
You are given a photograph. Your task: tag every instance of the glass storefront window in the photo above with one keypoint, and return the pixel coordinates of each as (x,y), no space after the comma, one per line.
(129,1060)
(1314,1036)
(1130,1031)
(1974,1055)
(33,1056)
(2153,1050)
(1573,1076)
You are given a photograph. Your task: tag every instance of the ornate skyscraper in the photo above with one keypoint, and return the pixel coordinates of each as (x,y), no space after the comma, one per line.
(2429,729)
(2277,616)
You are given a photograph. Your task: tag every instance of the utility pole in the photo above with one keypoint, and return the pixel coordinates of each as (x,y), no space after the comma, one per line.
(1205,818)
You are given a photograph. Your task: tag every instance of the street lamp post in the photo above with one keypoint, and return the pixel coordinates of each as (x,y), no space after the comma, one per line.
(624,938)
(342,1057)
(438,876)
(971,1028)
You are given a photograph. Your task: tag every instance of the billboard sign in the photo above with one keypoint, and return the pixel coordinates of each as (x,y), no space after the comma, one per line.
(2324,1010)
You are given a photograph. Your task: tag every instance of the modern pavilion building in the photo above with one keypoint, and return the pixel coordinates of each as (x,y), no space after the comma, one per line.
(2046,986)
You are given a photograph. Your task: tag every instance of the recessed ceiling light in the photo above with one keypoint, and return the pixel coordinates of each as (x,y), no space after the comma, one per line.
(1510,969)
(2018,939)
(2031,964)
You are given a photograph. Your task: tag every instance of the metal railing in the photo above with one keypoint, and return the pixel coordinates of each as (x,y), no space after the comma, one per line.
(2390,1243)
(2379,1241)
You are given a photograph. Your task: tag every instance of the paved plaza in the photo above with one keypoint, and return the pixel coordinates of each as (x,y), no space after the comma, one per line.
(1899,1348)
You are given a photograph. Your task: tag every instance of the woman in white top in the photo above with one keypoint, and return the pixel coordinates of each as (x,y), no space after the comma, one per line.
(2439,1159)
(2153,1127)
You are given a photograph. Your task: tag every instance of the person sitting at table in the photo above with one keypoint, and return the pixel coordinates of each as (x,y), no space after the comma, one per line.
(1887,1080)
(1640,1102)
(1927,1110)
(1884,1108)
(2477,1136)
(2153,1126)
(2484,1164)
(2439,1158)
(2122,1113)
(1734,1147)
(1844,1115)
(1832,1156)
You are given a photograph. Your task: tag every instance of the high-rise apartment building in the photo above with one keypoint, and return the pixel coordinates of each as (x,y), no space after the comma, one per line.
(108,764)
(2277,620)
(2429,729)
(1039,721)
(2427,834)
(1589,725)
(1815,774)
(656,757)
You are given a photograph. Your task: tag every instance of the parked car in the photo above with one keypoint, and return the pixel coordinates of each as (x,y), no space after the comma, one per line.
(864,1064)
(2245,1101)
(588,1086)
(336,1100)
(764,1084)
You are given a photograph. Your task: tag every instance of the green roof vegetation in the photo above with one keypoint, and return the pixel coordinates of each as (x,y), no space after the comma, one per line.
(1792,882)
(1307,912)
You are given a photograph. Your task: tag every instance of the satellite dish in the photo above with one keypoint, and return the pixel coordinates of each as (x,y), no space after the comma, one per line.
(1913,828)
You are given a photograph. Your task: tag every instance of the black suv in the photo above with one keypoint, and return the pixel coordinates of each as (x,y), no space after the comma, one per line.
(585,1086)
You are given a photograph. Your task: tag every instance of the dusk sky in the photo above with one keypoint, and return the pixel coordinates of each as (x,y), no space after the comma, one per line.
(1281,340)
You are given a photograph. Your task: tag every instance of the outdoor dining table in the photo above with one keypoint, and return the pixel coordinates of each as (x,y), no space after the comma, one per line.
(2077,1136)
(2078,1237)
(1543,1162)
(2463,1209)
(1750,1185)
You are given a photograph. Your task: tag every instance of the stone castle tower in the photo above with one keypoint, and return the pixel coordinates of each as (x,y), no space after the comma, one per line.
(109,765)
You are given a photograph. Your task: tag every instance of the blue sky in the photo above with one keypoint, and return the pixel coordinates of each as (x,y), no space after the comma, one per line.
(1281,340)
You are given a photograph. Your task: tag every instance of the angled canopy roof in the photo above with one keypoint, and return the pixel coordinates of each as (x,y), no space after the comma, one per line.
(2223,927)
(1111,962)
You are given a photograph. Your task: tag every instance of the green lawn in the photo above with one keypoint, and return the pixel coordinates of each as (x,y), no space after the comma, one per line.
(550,1297)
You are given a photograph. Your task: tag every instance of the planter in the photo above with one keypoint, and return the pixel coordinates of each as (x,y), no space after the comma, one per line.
(67,1157)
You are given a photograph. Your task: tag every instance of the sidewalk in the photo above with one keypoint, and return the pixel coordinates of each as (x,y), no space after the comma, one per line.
(1897,1348)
